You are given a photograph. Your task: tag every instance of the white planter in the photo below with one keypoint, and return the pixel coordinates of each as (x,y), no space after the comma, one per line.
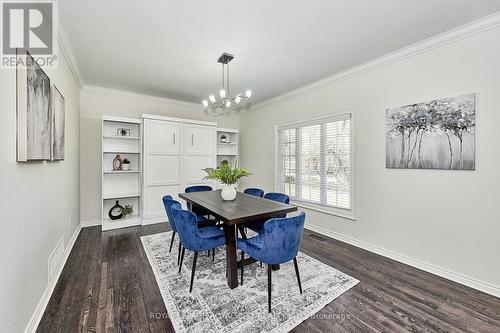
(228,192)
(125,166)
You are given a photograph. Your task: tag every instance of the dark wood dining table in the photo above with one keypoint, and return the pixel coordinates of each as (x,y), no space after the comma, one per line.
(245,208)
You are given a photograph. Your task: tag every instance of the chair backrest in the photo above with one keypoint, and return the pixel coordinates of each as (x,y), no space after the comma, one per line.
(198,188)
(282,238)
(168,201)
(187,227)
(254,191)
(280,197)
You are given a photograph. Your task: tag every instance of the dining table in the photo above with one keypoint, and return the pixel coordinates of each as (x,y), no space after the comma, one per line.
(233,215)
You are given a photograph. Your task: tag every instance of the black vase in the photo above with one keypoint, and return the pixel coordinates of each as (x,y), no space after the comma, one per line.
(116,212)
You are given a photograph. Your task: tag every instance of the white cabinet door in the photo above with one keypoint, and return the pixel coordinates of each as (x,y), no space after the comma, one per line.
(162,165)
(199,139)
(153,203)
(193,168)
(161,137)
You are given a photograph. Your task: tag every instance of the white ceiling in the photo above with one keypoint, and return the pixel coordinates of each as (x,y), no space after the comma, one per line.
(169,48)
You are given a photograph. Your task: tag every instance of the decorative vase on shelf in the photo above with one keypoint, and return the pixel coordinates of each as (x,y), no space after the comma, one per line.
(117,163)
(228,192)
(116,212)
(126,166)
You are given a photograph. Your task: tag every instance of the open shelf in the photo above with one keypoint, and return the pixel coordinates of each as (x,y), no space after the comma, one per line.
(107,196)
(111,172)
(121,137)
(120,152)
(108,224)
(125,188)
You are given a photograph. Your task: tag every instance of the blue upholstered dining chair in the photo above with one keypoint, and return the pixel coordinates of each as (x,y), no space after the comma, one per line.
(254,191)
(168,201)
(280,197)
(200,217)
(199,214)
(193,238)
(278,243)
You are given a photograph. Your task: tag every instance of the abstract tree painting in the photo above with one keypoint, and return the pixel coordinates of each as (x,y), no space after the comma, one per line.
(432,135)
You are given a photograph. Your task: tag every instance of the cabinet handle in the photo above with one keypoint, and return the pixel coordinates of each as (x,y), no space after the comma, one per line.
(192,139)
(174,138)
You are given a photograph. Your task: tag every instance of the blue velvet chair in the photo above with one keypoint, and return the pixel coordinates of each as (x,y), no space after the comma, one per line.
(278,243)
(193,238)
(254,191)
(199,214)
(168,201)
(257,226)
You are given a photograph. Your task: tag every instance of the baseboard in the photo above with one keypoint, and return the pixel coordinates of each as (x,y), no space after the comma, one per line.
(93,223)
(40,309)
(436,270)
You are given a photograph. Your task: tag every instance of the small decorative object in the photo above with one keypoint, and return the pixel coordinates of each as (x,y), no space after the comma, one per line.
(224,139)
(116,212)
(229,177)
(125,165)
(57,124)
(127,211)
(117,163)
(432,135)
(33,110)
(123,132)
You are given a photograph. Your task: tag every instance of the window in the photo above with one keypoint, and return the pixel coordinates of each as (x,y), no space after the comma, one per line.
(315,163)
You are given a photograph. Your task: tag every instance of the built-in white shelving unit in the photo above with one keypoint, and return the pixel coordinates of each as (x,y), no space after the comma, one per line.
(123,186)
(227,151)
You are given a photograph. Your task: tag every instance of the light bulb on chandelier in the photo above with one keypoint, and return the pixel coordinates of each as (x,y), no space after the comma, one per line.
(225,101)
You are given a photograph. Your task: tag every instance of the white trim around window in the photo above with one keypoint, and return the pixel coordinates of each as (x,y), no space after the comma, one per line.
(289,146)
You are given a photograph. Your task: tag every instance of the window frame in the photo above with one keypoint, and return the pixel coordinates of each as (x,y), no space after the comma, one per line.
(323,119)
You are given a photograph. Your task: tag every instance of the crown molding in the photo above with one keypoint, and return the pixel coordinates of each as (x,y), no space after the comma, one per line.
(475,27)
(68,54)
(138,95)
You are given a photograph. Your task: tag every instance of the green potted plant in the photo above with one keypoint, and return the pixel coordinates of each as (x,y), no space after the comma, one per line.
(127,211)
(227,176)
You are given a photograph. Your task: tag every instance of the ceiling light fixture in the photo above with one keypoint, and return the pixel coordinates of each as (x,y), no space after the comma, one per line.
(224,102)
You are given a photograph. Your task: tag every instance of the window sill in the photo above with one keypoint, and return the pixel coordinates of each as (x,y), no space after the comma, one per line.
(326,210)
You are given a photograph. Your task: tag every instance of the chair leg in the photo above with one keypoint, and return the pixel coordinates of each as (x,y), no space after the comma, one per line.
(208,253)
(192,272)
(297,273)
(242,232)
(242,266)
(269,287)
(182,258)
(213,255)
(172,241)
(179,253)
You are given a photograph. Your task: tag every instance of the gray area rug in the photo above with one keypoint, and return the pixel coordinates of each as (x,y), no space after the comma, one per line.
(214,307)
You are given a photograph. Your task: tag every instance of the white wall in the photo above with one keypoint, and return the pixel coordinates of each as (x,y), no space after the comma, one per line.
(96,102)
(449,219)
(39,202)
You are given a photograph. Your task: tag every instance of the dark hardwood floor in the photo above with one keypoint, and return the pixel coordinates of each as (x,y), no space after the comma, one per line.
(107,285)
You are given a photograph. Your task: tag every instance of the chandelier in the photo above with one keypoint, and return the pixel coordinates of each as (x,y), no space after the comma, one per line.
(224,101)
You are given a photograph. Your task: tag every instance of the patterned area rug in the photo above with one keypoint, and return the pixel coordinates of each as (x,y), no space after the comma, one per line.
(214,307)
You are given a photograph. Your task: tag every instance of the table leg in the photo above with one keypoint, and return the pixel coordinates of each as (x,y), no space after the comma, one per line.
(231,260)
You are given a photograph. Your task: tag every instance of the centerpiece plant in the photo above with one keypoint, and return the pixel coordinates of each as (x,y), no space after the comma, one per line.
(227,176)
